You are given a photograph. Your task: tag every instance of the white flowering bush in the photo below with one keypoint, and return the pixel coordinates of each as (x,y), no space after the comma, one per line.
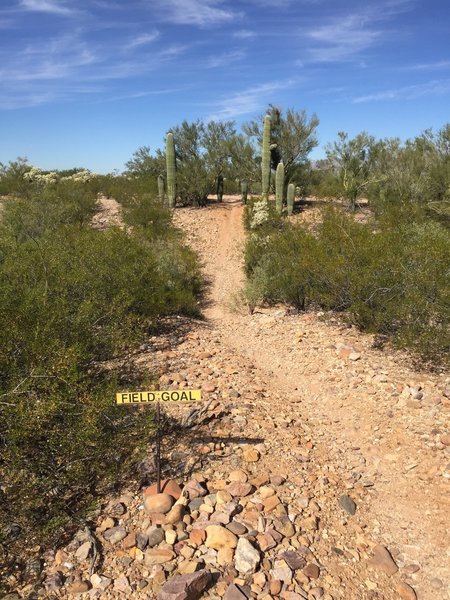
(83,176)
(260,214)
(36,175)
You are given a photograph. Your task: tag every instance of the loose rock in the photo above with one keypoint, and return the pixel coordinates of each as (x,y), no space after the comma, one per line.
(246,558)
(185,587)
(382,560)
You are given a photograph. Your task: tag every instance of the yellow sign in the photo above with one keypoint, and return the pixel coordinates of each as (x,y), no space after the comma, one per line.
(158,396)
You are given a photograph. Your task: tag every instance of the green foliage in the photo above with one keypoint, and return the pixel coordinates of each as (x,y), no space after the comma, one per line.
(265,154)
(126,188)
(323,181)
(352,159)
(143,164)
(292,137)
(392,280)
(171,170)
(63,203)
(244,192)
(12,181)
(161,189)
(73,303)
(413,177)
(220,188)
(145,211)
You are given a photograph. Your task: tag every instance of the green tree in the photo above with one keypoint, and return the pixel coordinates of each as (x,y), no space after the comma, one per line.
(414,176)
(293,136)
(143,163)
(353,161)
(204,152)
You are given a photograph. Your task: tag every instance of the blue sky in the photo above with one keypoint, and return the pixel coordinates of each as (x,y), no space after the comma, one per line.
(87,82)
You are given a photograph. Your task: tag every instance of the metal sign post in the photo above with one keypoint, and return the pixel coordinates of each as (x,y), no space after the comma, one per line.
(158,448)
(136,398)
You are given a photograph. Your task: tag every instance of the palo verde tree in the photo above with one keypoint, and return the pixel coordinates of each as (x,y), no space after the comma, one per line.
(414,176)
(142,163)
(352,159)
(292,137)
(206,152)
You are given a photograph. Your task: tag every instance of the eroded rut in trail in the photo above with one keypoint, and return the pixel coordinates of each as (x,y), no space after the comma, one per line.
(376,425)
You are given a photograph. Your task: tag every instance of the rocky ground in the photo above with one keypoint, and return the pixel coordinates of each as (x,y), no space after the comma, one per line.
(316,466)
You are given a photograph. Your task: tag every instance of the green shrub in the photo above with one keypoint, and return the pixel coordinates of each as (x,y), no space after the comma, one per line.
(74,302)
(144,211)
(63,203)
(392,279)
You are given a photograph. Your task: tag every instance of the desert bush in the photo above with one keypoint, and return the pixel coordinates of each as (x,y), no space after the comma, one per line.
(73,303)
(126,188)
(144,211)
(392,280)
(63,203)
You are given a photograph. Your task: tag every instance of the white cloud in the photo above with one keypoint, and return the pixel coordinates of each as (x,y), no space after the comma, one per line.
(345,37)
(57,59)
(441,64)
(244,34)
(410,92)
(248,101)
(225,59)
(342,38)
(196,12)
(48,6)
(142,40)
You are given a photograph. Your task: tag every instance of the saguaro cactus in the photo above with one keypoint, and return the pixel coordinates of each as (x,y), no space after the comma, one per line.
(244,190)
(220,188)
(279,187)
(290,199)
(171,170)
(161,189)
(265,164)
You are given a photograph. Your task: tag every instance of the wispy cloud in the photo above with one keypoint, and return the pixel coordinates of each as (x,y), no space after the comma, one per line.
(55,7)
(244,34)
(196,12)
(70,64)
(56,59)
(139,94)
(434,66)
(249,101)
(345,37)
(225,59)
(142,40)
(410,92)
(342,38)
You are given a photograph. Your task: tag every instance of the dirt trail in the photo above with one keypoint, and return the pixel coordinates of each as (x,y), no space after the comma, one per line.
(353,443)
(373,415)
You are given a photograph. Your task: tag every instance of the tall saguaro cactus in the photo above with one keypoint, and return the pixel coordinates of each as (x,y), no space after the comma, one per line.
(171,170)
(265,164)
(290,199)
(279,188)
